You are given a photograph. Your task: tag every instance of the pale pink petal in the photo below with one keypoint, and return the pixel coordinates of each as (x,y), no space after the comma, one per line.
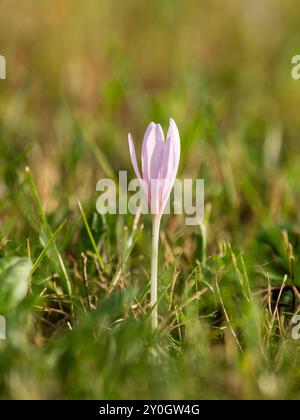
(152,157)
(152,152)
(170,161)
(133,157)
(160,161)
(147,150)
(155,204)
(149,129)
(146,135)
(143,183)
(158,152)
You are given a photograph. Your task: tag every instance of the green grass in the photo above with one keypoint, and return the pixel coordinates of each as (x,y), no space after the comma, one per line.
(78,81)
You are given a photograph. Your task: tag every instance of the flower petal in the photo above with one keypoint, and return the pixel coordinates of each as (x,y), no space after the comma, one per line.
(158,153)
(133,157)
(170,161)
(152,158)
(145,147)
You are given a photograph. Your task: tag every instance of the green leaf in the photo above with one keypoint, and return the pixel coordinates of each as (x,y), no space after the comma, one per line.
(14,275)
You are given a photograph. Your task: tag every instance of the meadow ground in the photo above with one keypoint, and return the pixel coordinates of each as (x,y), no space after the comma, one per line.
(80,75)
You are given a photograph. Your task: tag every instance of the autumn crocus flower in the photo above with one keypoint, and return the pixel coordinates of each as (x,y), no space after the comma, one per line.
(160,160)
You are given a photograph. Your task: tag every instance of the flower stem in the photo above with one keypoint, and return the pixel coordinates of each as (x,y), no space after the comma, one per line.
(154,259)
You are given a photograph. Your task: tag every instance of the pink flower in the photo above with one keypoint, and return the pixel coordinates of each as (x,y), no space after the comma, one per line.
(160,160)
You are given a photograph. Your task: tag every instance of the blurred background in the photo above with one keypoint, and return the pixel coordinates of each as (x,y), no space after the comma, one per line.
(96,70)
(80,76)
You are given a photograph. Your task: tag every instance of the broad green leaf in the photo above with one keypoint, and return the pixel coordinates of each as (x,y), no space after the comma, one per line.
(14,275)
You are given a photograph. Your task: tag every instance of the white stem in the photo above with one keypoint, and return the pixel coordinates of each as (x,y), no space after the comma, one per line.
(154,259)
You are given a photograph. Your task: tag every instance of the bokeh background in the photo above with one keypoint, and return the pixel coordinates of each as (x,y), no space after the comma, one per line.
(100,69)
(80,76)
